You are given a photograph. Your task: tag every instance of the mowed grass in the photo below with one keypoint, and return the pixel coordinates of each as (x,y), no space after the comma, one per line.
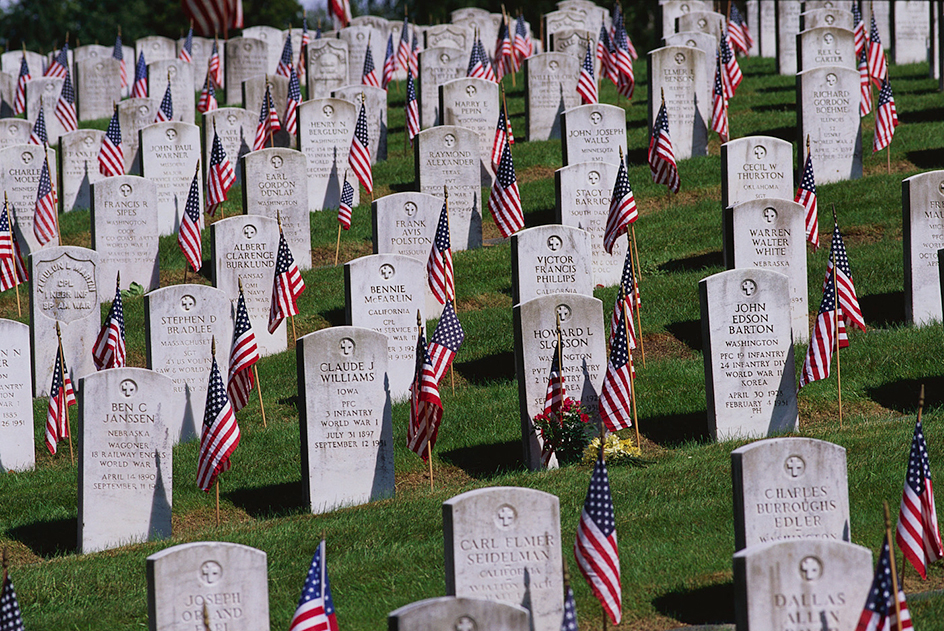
(674,515)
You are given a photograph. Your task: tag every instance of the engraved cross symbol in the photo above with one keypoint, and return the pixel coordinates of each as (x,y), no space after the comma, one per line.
(210,572)
(506,515)
(128,387)
(811,568)
(795,466)
(465,623)
(770,214)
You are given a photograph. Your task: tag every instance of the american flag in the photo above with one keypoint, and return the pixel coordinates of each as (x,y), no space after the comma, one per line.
(511,134)
(738,32)
(119,54)
(595,548)
(556,391)
(806,195)
(340,12)
(605,59)
(627,298)
(426,409)
(849,311)
(523,47)
(479,65)
(38,135)
(622,209)
(865,85)
(858,29)
(661,154)
(61,397)
(19,101)
(60,63)
(412,109)
(390,64)
(207,102)
(616,394)
(65,106)
(587,83)
(140,88)
(315,611)
(439,268)
(287,286)
(719,105)
(505,62)
(446,341)
(220,177)
(45,220)
(12,269)
(288,55)
(878,68)
(111,156)
(165,112)
(109,348)
(918,534)
(403,46)
(732,71)
(624,61)
(188,235)
(505,201)
(569,623)
(10,617)
(414,57)
(242,357)
(501,137)
(220,435)
(186,51)
(825,338)
(359,157)
(214,16)
(879,611)
(292,102)
(886,117)
(301,66)
(346,207)
(213,65)
(369,76)
(268,122)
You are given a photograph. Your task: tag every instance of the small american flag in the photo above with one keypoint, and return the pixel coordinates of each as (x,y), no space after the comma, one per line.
(439,268)
(285,61)
(738,32)
(627,299)
(623,210)
(207,102)
(220,177)
(501,137)
(732,70)
(220,435)
(918,534)
(315,611)
(340,12)
(369,76)
(719,105)
(886,117)
(426,407)
(504,52)
(604,58)
(595,548)
(446,341)
(390,64)
(213,65)
(346,207)
(186,51)
(60,63)
(45,220)
(111,156)
(38,135)
(806,195)
(624,61)
(616,394)
(61,397)
(165,112)
(268,122)
(865,85)
(523,47)
(119,54)
(242,357)
(556,391)
(359,157)
(12,269)
(661,154)
(292,102)
(569,623)
(189,235)
(19,101)
(414,57)
(825,338)
(412,109)
(140,88)
(879,611)
(403,46)
(849,310)
(109,348)
(505,201)
(301,66)
(878,69)
(587,83)
(858,29)
(479,65)
(10,617)
(287,286)
(65,106)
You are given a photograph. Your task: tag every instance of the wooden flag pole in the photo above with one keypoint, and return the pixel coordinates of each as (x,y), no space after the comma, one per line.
(255,372)
(213,353)
(891,558)
(429,445)
(560,360)
(642,348)
(888,159)
(12,219)
(62,368)
(836,326)
(632,378)
(278,218)
(55,211)
(206,617)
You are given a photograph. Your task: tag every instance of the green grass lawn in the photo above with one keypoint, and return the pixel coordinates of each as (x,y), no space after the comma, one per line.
(674,515)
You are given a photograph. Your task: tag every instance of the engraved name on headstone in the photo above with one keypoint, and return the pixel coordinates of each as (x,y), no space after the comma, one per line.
(78,163)
(325,130)
(125,231)
(550,260)
(828,111)
(922,206)
(682,74)
(437,66)
(550,88)
(594,132)
(245,57)
(170,155)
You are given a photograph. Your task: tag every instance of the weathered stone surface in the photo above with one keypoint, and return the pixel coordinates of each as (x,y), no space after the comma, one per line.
(550,88)
(704,42)
(833,18)
(133,116)
(574,42)
(376,112)
(254,89)
(449,612)
(473,104)
(17,452)
(328,61)
(682,74)
(14,131)
(828,112)
(437,66)
(911,31)
(180,75)
(45,91)
(567,20)
(358,38)
(825,46)
(98,87)
(922,206)
(201,49)
(593,133)
(20,168)
(78,164)
(673,9)
(451,35)
(550,260)
(485,23)
(405,223)
(237,130)
(706,21)
(325,130)
(787,25)
(155,48)
(10,62)
(245,57)
(125,230)
(170,156)
(274,40)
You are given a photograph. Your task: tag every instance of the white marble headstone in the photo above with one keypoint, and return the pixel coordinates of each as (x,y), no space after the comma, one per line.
(325,130)
(125,230)
(328,61)
(17,452)
(98,87)
(922,205)
(437,65)
(684,75)
(550,86)
(21,167)
(461,613)
(245,57)
(236,128)
(549,260)
(78,164)
(594,132)
(170,155)
(828,111)
(133,116)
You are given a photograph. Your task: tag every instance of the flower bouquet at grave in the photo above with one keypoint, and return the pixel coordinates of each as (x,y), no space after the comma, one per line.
(616,450)
(566,432)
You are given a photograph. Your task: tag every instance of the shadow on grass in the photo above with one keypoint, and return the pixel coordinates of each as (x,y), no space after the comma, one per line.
(335,316)
(932,115)
(292,400)
(688,332)
(883,310)
(713,604)
(486,461)
(783,133)
(403,187)
(637,156)
(49,538)
(694,263)
(926,158)
(775,107)
(274,500)
(902,395)
(775,88)
(542,217)
(480,372)
(676,429)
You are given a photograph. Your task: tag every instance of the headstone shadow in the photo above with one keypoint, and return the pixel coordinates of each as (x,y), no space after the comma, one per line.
(902,395)
(273,500)
(783,133)
(671,430)
(712,604)
(883,310)
(486,370)
(48,539)
(926,158)
(486,461)
(687,332)
(694,263)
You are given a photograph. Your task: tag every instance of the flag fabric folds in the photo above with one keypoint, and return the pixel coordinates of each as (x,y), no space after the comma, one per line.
(111,156)
(626,84)
(369,75)
(446,341)
(886,117)
(302,66)
(627,298)
(45,219)
(403,47)
(412,109)
(19,101)
(738,32)
(819,354)
(293,100)
(662,163)
(556,390)
(346,207)
(523,47)
(60,63)
(426,407)
(719,105)
(878,68)
(439,270)
(879,611)
(623,210)
(918,534)
(165,112)
(732,70)
(359,157)
(865,85)
(501,136)
(586,82)
(38,135)
(119,54)
(61,397)
(186,51)
(849,311)
(569,622)
(189,236)
(140,88)
(213,65)
(315,611)
(12,269)
(616,394)
(214,16)
(390,64)
(242,357)
(220,435)
(858,29)
(65,106)
(806,196)
(287,286)
(268,121)
(10,617)
(505,62)
(604,58)
(595,549)
(220,177)
(207,101)
(286,61)
(340,12)
(504,202)
(109,348)
(479,65)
